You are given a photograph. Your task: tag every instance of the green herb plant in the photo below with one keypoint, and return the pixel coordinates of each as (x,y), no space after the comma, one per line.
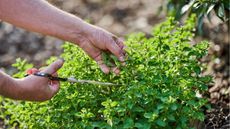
(157,88)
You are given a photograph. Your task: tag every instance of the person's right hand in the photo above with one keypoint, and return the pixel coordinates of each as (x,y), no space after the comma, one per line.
(97,40)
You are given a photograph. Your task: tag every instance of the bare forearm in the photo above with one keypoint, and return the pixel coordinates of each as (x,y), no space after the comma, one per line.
(40,16)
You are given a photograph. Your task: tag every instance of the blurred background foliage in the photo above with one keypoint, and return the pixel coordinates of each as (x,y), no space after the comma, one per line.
(202,8)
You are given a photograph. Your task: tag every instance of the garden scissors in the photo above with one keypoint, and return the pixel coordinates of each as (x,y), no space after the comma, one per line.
(70,79)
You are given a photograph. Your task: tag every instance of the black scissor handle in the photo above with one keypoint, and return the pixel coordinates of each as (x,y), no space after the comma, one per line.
(49,76)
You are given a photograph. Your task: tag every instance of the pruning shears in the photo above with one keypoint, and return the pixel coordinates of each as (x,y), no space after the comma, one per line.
(35,72)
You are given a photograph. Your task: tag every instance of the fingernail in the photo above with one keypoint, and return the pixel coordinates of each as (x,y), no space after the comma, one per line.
(62,59)
(124,47)
(115,38)
(121,58)
(116,71)
(105,70)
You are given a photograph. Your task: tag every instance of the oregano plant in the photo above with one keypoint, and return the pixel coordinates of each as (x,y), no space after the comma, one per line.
(157,87)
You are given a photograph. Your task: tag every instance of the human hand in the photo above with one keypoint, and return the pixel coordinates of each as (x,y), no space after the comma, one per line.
(96,41)
(36,88)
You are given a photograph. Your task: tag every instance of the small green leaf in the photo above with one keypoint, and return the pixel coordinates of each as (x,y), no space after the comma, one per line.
(200,116)
(183,119)
(210,9)
(163,99)
(110,122)
(191,102)
(171,117)
(200,24)
(148,115)
(104,103)
(186,49)
(197,70)
(114,103)
(174,107)
(128,123)
(166,47)
(206,79)
(138,109)
(142,124)
(139,125)
(160,106)
(161,123)
(221,12)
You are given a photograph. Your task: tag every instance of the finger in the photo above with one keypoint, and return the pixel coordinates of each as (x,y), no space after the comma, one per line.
(101,64)
(95,53)
(116,70)
(54,86)
(32,71)
(52,68)
(119,42)
(55,74)
(116,50)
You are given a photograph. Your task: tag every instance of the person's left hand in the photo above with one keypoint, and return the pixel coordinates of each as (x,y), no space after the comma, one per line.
(36,88)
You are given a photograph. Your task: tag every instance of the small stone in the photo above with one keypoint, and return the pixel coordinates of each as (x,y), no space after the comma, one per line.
(223,91)
(217,47)
(217,60)
(215,95)
(141,22)
(225,83)
(217,85)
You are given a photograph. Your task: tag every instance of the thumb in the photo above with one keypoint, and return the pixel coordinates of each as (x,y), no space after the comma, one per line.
(52,68)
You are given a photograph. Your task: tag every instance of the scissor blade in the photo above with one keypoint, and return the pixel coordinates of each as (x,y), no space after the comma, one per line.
(73,80)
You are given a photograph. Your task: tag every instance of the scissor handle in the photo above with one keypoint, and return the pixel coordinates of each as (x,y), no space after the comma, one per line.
(40,74)
(49,76)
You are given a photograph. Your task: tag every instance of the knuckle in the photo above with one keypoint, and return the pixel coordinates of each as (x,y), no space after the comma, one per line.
(97,57)
(100,62)
(83,43)
(55,67)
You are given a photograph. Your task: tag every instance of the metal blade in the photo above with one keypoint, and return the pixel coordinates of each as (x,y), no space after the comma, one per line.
(73,80)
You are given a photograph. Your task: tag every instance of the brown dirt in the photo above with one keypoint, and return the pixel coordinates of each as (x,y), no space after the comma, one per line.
(219,66)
